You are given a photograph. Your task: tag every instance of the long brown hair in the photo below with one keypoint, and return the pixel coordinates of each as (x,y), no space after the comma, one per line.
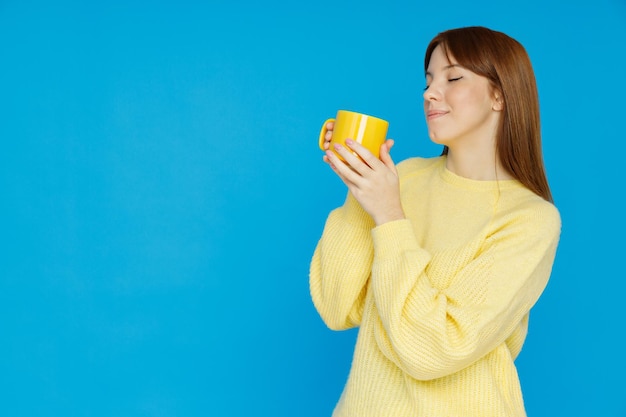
(505,63)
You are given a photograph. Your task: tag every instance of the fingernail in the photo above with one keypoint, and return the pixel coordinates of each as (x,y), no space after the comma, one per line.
(337,146)
(349,141)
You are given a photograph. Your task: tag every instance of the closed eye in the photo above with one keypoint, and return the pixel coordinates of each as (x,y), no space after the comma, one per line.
(449,80)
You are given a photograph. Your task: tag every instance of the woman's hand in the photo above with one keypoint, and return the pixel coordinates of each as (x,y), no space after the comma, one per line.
(372,181)
(329,135)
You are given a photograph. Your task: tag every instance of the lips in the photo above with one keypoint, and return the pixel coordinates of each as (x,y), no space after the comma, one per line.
(434,114)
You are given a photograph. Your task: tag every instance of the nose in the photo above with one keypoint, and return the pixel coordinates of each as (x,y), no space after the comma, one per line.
(431,94)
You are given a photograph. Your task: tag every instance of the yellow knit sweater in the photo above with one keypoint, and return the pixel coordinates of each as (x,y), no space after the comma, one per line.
(442,298)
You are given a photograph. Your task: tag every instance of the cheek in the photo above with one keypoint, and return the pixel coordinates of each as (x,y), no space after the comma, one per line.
(469,99)
(463,96)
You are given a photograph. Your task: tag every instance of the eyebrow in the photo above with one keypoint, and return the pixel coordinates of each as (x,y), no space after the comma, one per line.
(447,67)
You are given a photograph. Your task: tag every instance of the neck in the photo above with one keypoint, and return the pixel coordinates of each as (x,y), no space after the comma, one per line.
(479,166)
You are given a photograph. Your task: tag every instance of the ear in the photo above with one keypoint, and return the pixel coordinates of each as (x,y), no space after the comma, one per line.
(498,101)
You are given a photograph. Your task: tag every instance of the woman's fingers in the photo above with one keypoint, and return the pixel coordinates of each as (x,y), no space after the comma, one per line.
(385,157)
(358,161)
(348,170)
(340,168)
(329,134)
(357,156)
(365,156)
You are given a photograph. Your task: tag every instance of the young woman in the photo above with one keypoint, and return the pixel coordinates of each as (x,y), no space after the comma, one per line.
(438,261)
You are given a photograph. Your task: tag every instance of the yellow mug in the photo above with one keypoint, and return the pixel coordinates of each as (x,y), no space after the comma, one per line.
(369,131)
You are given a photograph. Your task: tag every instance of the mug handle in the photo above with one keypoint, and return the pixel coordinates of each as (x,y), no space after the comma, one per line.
(323,133)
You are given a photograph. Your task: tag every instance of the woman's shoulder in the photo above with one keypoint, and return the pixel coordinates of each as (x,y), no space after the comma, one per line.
(528,207)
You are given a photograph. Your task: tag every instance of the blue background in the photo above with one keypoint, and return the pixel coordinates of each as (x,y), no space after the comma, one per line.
(162,194)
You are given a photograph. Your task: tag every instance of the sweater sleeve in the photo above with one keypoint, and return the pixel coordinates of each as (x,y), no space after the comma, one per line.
(432,332)
(341,266)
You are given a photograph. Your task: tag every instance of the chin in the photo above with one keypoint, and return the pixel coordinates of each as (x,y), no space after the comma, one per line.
(434,138)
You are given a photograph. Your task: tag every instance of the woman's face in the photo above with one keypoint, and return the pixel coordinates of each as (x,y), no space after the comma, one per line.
(461,107)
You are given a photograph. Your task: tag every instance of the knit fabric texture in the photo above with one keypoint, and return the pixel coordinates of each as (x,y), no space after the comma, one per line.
(441,298)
